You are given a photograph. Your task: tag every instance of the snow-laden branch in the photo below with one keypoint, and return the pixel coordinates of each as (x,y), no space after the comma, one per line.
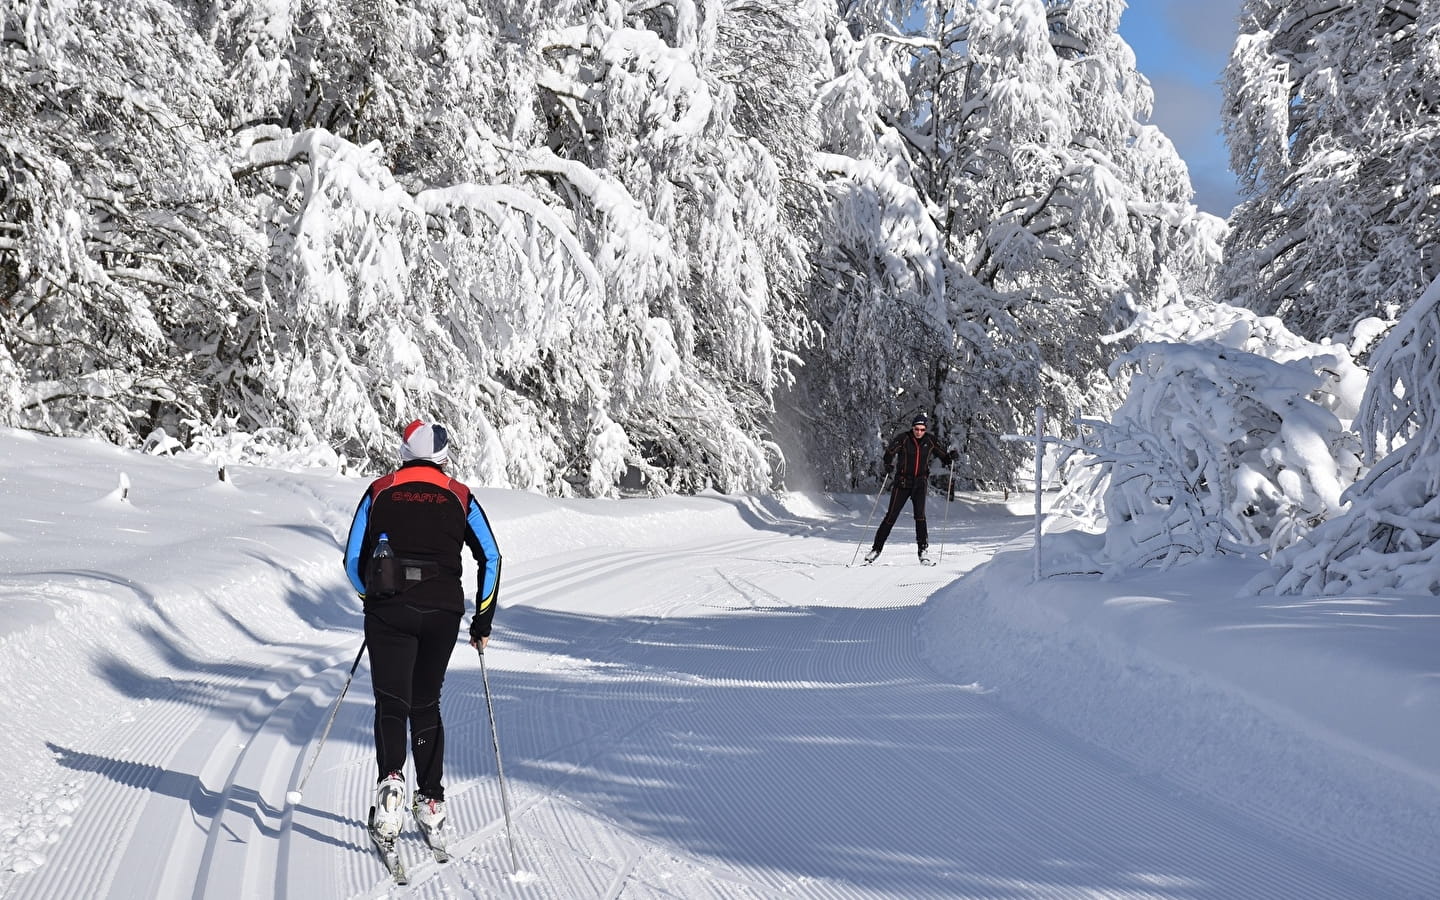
(500,203)
(679,104)
(1388,540)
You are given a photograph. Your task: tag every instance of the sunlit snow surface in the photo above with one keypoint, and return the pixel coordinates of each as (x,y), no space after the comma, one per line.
(695,697)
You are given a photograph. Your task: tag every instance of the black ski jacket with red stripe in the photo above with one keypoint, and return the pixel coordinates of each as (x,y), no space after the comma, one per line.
(911,455)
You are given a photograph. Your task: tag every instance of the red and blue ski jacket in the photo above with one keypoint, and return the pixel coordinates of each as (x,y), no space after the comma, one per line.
(427,517)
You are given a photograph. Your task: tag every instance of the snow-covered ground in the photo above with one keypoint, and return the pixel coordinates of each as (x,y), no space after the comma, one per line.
(695,697)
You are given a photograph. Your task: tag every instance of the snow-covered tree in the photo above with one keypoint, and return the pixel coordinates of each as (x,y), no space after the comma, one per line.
(598,238)
(1015,128)
(431,82)
(302,224)
(1232,437)
(687,219)
(121,255)
(1389,540)
(651,295)
(1332,114)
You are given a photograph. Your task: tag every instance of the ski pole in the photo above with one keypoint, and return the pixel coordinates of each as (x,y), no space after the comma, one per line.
(949,498)
(499,766)
(874,506)
(293,797)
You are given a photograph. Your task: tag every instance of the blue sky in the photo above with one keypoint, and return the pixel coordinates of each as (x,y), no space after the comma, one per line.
(1181,46)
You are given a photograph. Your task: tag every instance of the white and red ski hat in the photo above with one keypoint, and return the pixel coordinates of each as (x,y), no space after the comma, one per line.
(421,440)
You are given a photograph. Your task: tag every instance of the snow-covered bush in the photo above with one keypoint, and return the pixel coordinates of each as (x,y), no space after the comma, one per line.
(1389,540)
(1231,441)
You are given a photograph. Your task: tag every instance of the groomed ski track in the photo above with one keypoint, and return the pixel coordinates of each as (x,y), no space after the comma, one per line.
(738,716)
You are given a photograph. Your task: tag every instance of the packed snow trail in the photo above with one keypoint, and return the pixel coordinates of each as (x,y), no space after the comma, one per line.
(729,714)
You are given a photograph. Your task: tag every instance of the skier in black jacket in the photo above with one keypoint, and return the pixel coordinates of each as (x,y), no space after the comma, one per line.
(908,454)
(413,609)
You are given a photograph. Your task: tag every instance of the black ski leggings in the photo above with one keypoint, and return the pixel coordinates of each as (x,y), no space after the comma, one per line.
(907,487)
(409,652)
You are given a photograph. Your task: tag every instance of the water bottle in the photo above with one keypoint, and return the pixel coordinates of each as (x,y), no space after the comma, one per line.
(382,580)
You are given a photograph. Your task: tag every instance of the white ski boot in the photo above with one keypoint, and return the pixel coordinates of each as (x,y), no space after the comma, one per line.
(389,816)
(925,559)
(430,816)
(871,557)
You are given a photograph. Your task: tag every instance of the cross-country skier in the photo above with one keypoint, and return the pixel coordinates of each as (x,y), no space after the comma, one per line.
(908,454)
(414,603)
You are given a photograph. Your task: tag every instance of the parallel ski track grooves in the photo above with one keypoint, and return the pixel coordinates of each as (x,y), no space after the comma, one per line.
(165,815)
(362,875)
(609,724)
(630,757)
(1097,789)
(260,768)
(603,564)
(992,828)
(109,816)
(252,873)
(150,791)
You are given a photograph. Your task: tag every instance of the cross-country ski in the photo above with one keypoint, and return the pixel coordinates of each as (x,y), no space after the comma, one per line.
(389,852)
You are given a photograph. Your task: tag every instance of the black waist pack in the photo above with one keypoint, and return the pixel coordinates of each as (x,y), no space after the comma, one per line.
(387,576)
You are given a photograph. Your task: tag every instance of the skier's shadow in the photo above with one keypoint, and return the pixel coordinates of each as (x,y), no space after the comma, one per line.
(206,805)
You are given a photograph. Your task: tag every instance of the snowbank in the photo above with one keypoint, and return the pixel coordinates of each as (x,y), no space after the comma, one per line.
(1321,715)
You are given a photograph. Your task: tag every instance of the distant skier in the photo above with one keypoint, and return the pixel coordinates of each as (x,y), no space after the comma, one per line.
(414,603)
(908,454)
